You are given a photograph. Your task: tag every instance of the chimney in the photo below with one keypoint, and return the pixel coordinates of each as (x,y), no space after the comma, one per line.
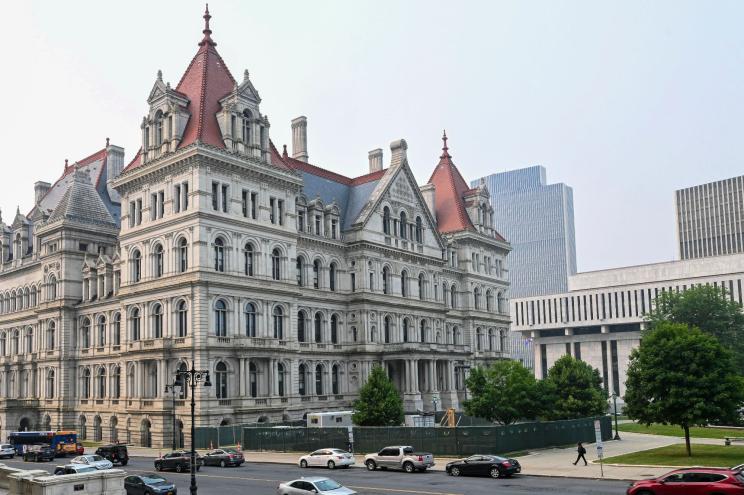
(375,160)
(299,138)
(398,149)
(40,189)
(427,191)
(114,166)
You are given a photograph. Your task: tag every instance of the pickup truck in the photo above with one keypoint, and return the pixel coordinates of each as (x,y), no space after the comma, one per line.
(399,457)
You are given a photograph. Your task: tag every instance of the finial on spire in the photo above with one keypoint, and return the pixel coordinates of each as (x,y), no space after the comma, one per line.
(246,75)
(207,40)
(284,153)
(65,163)
(107,142)
(160,75)
(445,149)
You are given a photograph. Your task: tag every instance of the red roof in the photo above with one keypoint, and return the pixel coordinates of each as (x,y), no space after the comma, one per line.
(449,188)
(327,174)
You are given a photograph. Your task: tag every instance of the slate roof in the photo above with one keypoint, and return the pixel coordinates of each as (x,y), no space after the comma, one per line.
(81,203)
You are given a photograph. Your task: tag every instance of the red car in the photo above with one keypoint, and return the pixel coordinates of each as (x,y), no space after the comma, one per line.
(79,449)
(693,481)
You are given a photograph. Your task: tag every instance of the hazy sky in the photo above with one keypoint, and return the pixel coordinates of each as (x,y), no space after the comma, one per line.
(624,101)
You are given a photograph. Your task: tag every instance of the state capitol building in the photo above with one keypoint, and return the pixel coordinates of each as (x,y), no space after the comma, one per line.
(285,280)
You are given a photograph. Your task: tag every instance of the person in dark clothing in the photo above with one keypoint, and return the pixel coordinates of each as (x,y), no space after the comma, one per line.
(581,451)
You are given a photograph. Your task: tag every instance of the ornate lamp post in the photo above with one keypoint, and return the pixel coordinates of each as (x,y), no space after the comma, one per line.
(614,410)
(174,389)
(191,378)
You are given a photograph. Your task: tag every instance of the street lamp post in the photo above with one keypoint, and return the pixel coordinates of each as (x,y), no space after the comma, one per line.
(614,407)
(173,389)
(190,378)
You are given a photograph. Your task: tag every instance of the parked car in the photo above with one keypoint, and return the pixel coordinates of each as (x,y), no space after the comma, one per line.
(484,465)
(224,457)
(74,469)
(691,481)
(330,458)
(116,453)
(39,453)
(179,461)
(399,457)
(79,449)
(148,484)
(95,461)
(7,450)
(313,485)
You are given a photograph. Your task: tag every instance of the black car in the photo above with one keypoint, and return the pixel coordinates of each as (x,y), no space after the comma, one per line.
(224,457)
(39,453)
(484,465)
(116,453)
(179,461)
(148,484)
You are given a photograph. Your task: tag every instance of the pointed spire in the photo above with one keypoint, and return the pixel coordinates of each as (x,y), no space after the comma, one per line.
(445,149)
(160,75)
(284,153)
(207,40)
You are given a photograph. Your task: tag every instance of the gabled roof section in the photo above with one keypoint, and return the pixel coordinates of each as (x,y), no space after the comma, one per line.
(449,188)
(206,81)
(81,203)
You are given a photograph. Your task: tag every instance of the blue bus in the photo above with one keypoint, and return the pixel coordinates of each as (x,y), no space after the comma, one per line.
(63,442)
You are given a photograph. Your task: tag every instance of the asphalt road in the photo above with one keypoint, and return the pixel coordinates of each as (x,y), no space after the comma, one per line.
(260,479)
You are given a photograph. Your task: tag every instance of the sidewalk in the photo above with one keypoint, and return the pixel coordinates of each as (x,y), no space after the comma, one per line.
(548,462)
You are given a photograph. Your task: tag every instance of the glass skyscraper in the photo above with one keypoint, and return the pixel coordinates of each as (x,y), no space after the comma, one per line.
(538,221)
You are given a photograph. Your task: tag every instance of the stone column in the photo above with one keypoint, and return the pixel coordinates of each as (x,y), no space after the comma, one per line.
(434,386)
(241,377)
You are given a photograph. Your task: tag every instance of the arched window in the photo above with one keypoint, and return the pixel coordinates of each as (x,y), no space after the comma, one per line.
(302,379)
(502,340)
(158,128)
(403,224)
(15,343)
(136,266)
(456,336)
(489,300)
(316,274)
(116,383)
(319,379)
(253,380)
(248,259)
(280,374)
(386,280)
(477,298)
(116,329)
(101,385)
(85,334)
(246,134)
(29,340)
(135,323)
(101,331)
(334,329)
(419,230)
(453,296)
(50,335)
(404,283)
(220,372)
(300,271)
(422,330)
(276,258)
(278,323)
(406,325)
(250,320)
(301,337)
(334,379)
(182,319)
(3,346)
(386,330)
(183,255)
(491,340)
(386,220)
(220,318)
(332,277)
(85,384)
(478,339)
(318,327)
(500,302)
(157,321)
(421,286)
(219,255)
(52,291)
(158,260)
(50,385)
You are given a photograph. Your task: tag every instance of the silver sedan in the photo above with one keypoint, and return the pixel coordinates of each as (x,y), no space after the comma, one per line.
(312,486)
(95,461)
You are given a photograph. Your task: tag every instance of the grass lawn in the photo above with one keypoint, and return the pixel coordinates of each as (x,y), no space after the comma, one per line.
(676,455)
(676,431)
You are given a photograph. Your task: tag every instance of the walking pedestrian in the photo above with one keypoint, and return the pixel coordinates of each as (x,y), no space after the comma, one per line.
(581,451)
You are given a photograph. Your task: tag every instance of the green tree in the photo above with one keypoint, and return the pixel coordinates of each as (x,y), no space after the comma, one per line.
(379,403)
(573,389)
(708,308)
(681,376)
(504,392)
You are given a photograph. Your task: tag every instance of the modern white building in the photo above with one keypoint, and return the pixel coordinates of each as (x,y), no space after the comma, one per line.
(284,280)
(600,317)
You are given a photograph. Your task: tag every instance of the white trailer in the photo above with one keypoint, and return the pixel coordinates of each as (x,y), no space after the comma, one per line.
(341,419)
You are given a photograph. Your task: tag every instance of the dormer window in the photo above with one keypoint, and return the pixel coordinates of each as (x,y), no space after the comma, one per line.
(159,128)
(246,134)
(403,224)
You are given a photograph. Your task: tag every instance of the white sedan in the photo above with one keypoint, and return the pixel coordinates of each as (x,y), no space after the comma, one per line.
(95,461)
(330,458)
(313,486)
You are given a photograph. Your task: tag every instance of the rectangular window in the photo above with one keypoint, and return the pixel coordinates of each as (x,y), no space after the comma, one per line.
(177,198)
(353,282)
(139,211)
(605,372)
(371,280)
(544,360)
(225,198)
(615,367)
(317,224)
(280,211)
(568,348)
(334,228)
(132,213)
(272,210)
(244,203)
(215,196)
(185,188)
(577,350)
(301,221)
(161,204)
(153,206)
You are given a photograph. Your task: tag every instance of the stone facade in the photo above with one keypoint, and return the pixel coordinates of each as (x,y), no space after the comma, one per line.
(286,281)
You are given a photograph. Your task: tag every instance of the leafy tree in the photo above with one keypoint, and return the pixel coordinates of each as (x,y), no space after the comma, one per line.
(573,389)
(708,308)
(504,392)
(682,376)
(379,403)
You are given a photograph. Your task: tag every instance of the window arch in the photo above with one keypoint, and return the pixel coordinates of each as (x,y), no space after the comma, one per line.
(500,302)
(220,318)
(219,254)
(116,382)
(182,319)
(246,128)
(301,331)
(386,280)
(248,259)
(183,255)
(136,265)
(50,385)
(386,329)
(50,337)
(276,258)
(300,271)
(29,340)
(85,384)
(489,300)
(386,220)
(406,329)
(101,382)
(491,340)
(478,339)
(250,319)
(302,379)
(403,224)
(318,326)
(116,329)
(419,230)
(334,329)
(157,320)
(334,379)
(404,283)
(85,334)
(421,286)
(3,346)
(453,296)
(332,277)
(278,323)
(280,374)
(253,380)
(220,372)
(316,274)
(319,379)
(422,330)
(101,331)
(158,128)
(158,256)
(477,298)
(16,342)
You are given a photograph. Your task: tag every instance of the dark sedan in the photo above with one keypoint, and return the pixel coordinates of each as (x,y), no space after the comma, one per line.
(178,461)
(484,465)
(39,453)
(224,457)
(148,484)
